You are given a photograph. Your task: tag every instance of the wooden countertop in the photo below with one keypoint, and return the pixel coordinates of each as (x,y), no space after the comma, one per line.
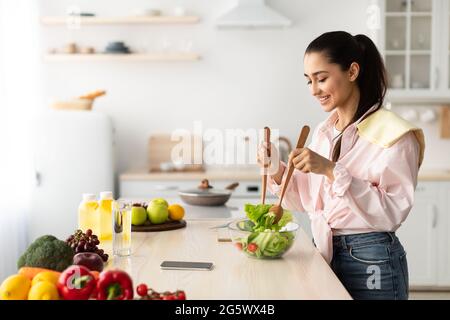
(434,175)
(301,274)
(243,175)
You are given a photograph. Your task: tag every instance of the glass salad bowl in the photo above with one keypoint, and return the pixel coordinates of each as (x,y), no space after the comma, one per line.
(267,244)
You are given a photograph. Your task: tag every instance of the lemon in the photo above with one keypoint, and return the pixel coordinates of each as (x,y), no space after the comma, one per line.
(43,290)
(15,287)
(176,212)
(48,276)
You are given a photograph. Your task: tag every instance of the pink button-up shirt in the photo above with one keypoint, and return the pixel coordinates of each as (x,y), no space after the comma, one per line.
(373,189)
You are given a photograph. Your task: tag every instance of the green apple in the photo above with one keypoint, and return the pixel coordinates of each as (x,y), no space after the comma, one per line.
(138,215)
(157,211)
(160,201)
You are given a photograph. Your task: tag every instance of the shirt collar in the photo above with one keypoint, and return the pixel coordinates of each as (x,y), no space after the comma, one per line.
(332,118)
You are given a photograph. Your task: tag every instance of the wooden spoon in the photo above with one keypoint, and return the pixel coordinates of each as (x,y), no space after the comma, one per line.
(264,177)
(93,95)
(277,209)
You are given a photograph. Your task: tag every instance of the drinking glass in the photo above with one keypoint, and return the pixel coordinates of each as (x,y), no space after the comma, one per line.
(121,220)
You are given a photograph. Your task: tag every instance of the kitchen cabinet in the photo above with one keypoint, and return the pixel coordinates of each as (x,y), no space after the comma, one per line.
(444,238)
(414,40)
(419,235)
(425,236)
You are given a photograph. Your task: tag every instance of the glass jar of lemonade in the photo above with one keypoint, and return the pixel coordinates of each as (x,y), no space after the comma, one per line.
(87,215)
(104,213)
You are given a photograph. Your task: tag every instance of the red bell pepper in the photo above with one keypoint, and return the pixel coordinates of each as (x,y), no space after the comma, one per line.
(114,285)
(76,283)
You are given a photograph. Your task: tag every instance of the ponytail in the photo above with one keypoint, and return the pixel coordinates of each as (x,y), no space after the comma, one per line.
(343,49)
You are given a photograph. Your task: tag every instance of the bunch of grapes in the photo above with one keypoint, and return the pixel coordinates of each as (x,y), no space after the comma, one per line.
(86,242)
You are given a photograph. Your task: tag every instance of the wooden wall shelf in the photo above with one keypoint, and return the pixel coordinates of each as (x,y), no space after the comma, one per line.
(122,57)
(63,20)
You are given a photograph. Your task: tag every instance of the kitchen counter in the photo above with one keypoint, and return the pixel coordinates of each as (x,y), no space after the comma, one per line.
(243,175)
(233,209)
(301,274)
(167,185)
(434,175)
(214,174)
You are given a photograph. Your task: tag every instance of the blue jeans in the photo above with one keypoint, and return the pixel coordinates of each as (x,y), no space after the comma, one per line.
(371,265)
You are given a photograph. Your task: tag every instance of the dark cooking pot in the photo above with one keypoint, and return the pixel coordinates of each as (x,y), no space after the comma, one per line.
(206,195)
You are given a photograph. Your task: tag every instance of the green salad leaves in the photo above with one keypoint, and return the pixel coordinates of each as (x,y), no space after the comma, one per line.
(266,240)
(263,219)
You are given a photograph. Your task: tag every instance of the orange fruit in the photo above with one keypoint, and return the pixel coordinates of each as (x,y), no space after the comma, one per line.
(176,212)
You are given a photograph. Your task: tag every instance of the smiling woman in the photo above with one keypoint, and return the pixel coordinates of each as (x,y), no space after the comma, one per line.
(357,177)
(18,96)
(350,73)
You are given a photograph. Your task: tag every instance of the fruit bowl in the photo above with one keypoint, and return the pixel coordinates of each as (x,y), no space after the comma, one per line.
(267,244)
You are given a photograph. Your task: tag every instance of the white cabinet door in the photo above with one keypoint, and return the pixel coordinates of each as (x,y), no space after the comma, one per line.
(414,40)
(444,236)
(419,236)
(408,43)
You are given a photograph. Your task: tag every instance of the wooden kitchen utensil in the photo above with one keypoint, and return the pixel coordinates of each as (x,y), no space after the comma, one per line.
(264,176)
(277,209)
(166,226)
(445,122)
(93,95)
(160,148)
(74,104)
(83,102)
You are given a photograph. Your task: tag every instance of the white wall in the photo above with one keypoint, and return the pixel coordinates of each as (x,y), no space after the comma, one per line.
(437,149)
(246,79)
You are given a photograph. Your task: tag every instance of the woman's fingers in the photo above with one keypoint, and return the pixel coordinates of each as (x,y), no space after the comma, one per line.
(263,159)
(304,166)
(298,154)
(294,154)
(262,156)
(265,144)
(307,161)
(301,159)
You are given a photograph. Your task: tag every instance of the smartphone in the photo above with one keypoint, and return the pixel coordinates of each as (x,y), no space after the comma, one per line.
(186,265)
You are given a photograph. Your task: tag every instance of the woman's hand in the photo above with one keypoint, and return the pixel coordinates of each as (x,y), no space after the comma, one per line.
(307,161)
(269,165)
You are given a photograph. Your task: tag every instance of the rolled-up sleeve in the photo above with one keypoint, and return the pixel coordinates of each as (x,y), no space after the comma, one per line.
(298,195)
(386,203)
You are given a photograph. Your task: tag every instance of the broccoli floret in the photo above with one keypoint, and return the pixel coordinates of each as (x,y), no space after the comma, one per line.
(47,252)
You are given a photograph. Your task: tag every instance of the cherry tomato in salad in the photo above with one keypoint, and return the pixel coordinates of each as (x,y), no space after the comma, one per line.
(239,245)
(252,247)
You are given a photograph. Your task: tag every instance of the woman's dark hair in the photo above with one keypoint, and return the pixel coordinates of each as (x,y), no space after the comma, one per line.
(342,48)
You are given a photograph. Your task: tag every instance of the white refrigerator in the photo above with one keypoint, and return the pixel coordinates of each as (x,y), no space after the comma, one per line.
(73,155)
